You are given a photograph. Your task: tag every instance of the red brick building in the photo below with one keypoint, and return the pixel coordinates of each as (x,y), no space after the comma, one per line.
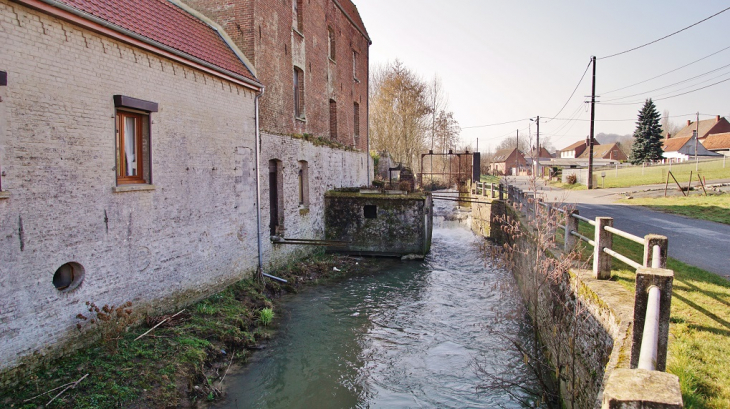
(311,56)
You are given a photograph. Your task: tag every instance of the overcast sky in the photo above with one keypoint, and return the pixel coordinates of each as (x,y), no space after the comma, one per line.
(511,60)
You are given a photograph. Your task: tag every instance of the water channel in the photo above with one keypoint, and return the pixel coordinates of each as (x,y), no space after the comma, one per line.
(407,335)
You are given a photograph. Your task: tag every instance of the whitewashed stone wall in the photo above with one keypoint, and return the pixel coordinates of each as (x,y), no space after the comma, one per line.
(328,168)
(162,248)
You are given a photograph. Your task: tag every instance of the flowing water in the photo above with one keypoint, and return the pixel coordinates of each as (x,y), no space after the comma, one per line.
(406,336)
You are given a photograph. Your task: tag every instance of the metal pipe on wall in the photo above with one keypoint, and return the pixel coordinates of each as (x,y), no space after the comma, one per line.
(257,148)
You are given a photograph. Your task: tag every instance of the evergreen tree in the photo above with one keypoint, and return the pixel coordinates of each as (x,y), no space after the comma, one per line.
(647,136)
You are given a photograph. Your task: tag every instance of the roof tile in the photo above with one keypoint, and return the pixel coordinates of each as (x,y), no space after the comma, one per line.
(717,141)
(167,24)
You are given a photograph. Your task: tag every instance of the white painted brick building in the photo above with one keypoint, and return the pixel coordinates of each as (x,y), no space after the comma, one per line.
(185,227)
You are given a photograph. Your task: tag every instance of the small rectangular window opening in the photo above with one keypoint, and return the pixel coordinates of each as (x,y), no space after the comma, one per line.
(303,179)
(370,211)
(354,64)
(333,119)
(356,119)
(331,37)
(297,18)
(298,93)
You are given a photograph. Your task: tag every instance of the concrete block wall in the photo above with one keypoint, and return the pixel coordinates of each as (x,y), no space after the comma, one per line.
(400,225)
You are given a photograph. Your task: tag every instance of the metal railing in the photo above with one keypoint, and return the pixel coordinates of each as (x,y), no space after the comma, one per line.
(602,240)
(652,299)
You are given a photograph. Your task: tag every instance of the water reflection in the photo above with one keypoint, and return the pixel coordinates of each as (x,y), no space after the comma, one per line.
(406,336)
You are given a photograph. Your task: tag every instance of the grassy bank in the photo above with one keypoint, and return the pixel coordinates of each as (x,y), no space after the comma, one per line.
(638,175)
(699,338)
(180,363)
(713,208)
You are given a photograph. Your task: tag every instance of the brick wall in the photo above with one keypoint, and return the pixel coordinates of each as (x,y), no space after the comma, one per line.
(277,48)
(162,248)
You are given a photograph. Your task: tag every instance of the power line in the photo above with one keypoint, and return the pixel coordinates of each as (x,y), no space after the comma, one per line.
(620,120)
(671,85)
(500,123)
(666,36)
(661,99)
(575,89)
(668,72)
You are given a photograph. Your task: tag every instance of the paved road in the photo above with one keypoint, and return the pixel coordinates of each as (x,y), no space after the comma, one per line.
(697,242)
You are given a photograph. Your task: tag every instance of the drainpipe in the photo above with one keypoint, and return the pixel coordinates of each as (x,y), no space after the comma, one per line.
(260,268)
(257,148)
(367,112)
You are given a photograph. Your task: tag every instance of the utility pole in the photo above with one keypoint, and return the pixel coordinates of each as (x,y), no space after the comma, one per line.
(537,159)
(593,118)
(518,140)
(697,138)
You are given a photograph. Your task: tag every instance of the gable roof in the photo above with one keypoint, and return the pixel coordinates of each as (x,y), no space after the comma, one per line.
(503,154)
(350,11)
(717,141)
(165,23)
(599,151)
(674,144)
(705,126)
(580,143)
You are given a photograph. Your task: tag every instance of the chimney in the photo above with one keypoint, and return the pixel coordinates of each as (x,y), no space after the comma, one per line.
(718,119)
(669,136)
(689,122)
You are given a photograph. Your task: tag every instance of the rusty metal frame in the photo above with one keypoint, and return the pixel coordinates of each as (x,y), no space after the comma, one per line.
(450,173)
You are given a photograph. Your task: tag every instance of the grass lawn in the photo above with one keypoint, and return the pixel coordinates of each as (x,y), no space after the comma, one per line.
(699,331)
(638,175)
(713,208)
(490,178)
(567,186)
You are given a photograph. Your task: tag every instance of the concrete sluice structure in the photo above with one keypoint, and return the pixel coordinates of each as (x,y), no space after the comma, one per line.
(379,224)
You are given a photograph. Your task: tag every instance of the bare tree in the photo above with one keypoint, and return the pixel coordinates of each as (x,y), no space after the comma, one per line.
(399,113)
(669,127)
(511,143)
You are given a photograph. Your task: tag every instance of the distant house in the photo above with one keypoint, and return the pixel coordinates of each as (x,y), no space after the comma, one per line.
(609,151)
(718,143)
(682,149)
(575,150)
(704,128)
(508,162)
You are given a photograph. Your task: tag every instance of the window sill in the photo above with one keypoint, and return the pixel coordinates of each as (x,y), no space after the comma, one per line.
(300,118)
(4,194)
(132,188)
(297,31)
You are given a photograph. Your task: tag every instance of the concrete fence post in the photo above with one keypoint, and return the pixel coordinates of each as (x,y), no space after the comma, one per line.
(651,240)
(603,239)
(491,194)
(501,191)
(658,390)
(571,224)
(646,278)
